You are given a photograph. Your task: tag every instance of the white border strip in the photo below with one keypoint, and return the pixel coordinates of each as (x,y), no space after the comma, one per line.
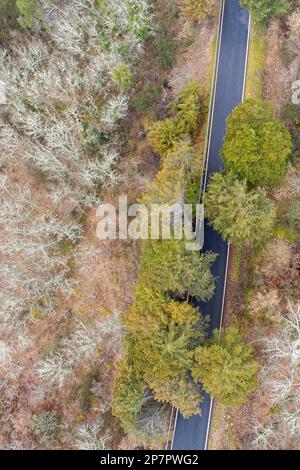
(247,58)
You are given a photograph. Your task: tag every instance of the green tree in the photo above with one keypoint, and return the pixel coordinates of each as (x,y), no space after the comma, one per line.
(123,76)
(31,13)
(181,392)
(167,266)
(265,10)
(167,312)
(164,135)
(257,145)
(198,9)
(226,367)
(242,217)
(165,356)
(178,170)
(190,106)
(128,395)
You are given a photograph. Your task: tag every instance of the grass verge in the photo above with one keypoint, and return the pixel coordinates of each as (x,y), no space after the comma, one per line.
(256,63)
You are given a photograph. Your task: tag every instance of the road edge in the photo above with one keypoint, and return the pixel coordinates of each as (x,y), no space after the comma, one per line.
(206,152)
(229,246)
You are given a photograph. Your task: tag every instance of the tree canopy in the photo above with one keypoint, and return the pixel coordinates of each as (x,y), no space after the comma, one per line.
(164,356)
(265,10)
(129,399)
(168,266)
(226,367)
(190,108)
(162,328)
(256,145)
(242,217)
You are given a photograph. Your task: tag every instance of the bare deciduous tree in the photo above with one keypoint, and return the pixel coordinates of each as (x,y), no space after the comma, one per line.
(281,380)
(64,108)
(80,346)
(32,267)
(92,436)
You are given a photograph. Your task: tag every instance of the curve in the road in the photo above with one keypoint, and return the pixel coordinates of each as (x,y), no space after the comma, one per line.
(192,434)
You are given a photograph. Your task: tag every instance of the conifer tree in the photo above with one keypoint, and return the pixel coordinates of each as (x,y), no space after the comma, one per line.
(226,367)
(165,358)
(128,396)
(167,265)
(245,218)
(257,145)
(265,10)
(164,135)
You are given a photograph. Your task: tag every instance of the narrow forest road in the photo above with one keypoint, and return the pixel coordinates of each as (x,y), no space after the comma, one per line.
(193,433)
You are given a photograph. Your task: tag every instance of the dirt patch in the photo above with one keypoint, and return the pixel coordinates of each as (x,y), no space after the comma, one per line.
(277,86)
(197,60)
(280,71)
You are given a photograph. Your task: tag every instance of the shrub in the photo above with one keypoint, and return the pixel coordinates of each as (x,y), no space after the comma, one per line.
(145,99)
(265,10)
(8,17)
(276,258)
(164,135)
(165,47)
(31,13)
(198,9)
(123,76)
(290,114)
(290,212)
(46,426)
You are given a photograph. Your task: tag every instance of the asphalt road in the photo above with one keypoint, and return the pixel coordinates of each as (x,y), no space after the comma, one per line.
(192,434)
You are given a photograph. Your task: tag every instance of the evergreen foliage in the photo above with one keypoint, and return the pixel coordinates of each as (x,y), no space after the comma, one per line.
(189,108)
(226,367)
(242,217)
(163,330)
(31,13)
(257,145)
(264,10)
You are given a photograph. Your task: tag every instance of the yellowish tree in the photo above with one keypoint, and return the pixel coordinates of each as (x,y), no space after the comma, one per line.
(226,367)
